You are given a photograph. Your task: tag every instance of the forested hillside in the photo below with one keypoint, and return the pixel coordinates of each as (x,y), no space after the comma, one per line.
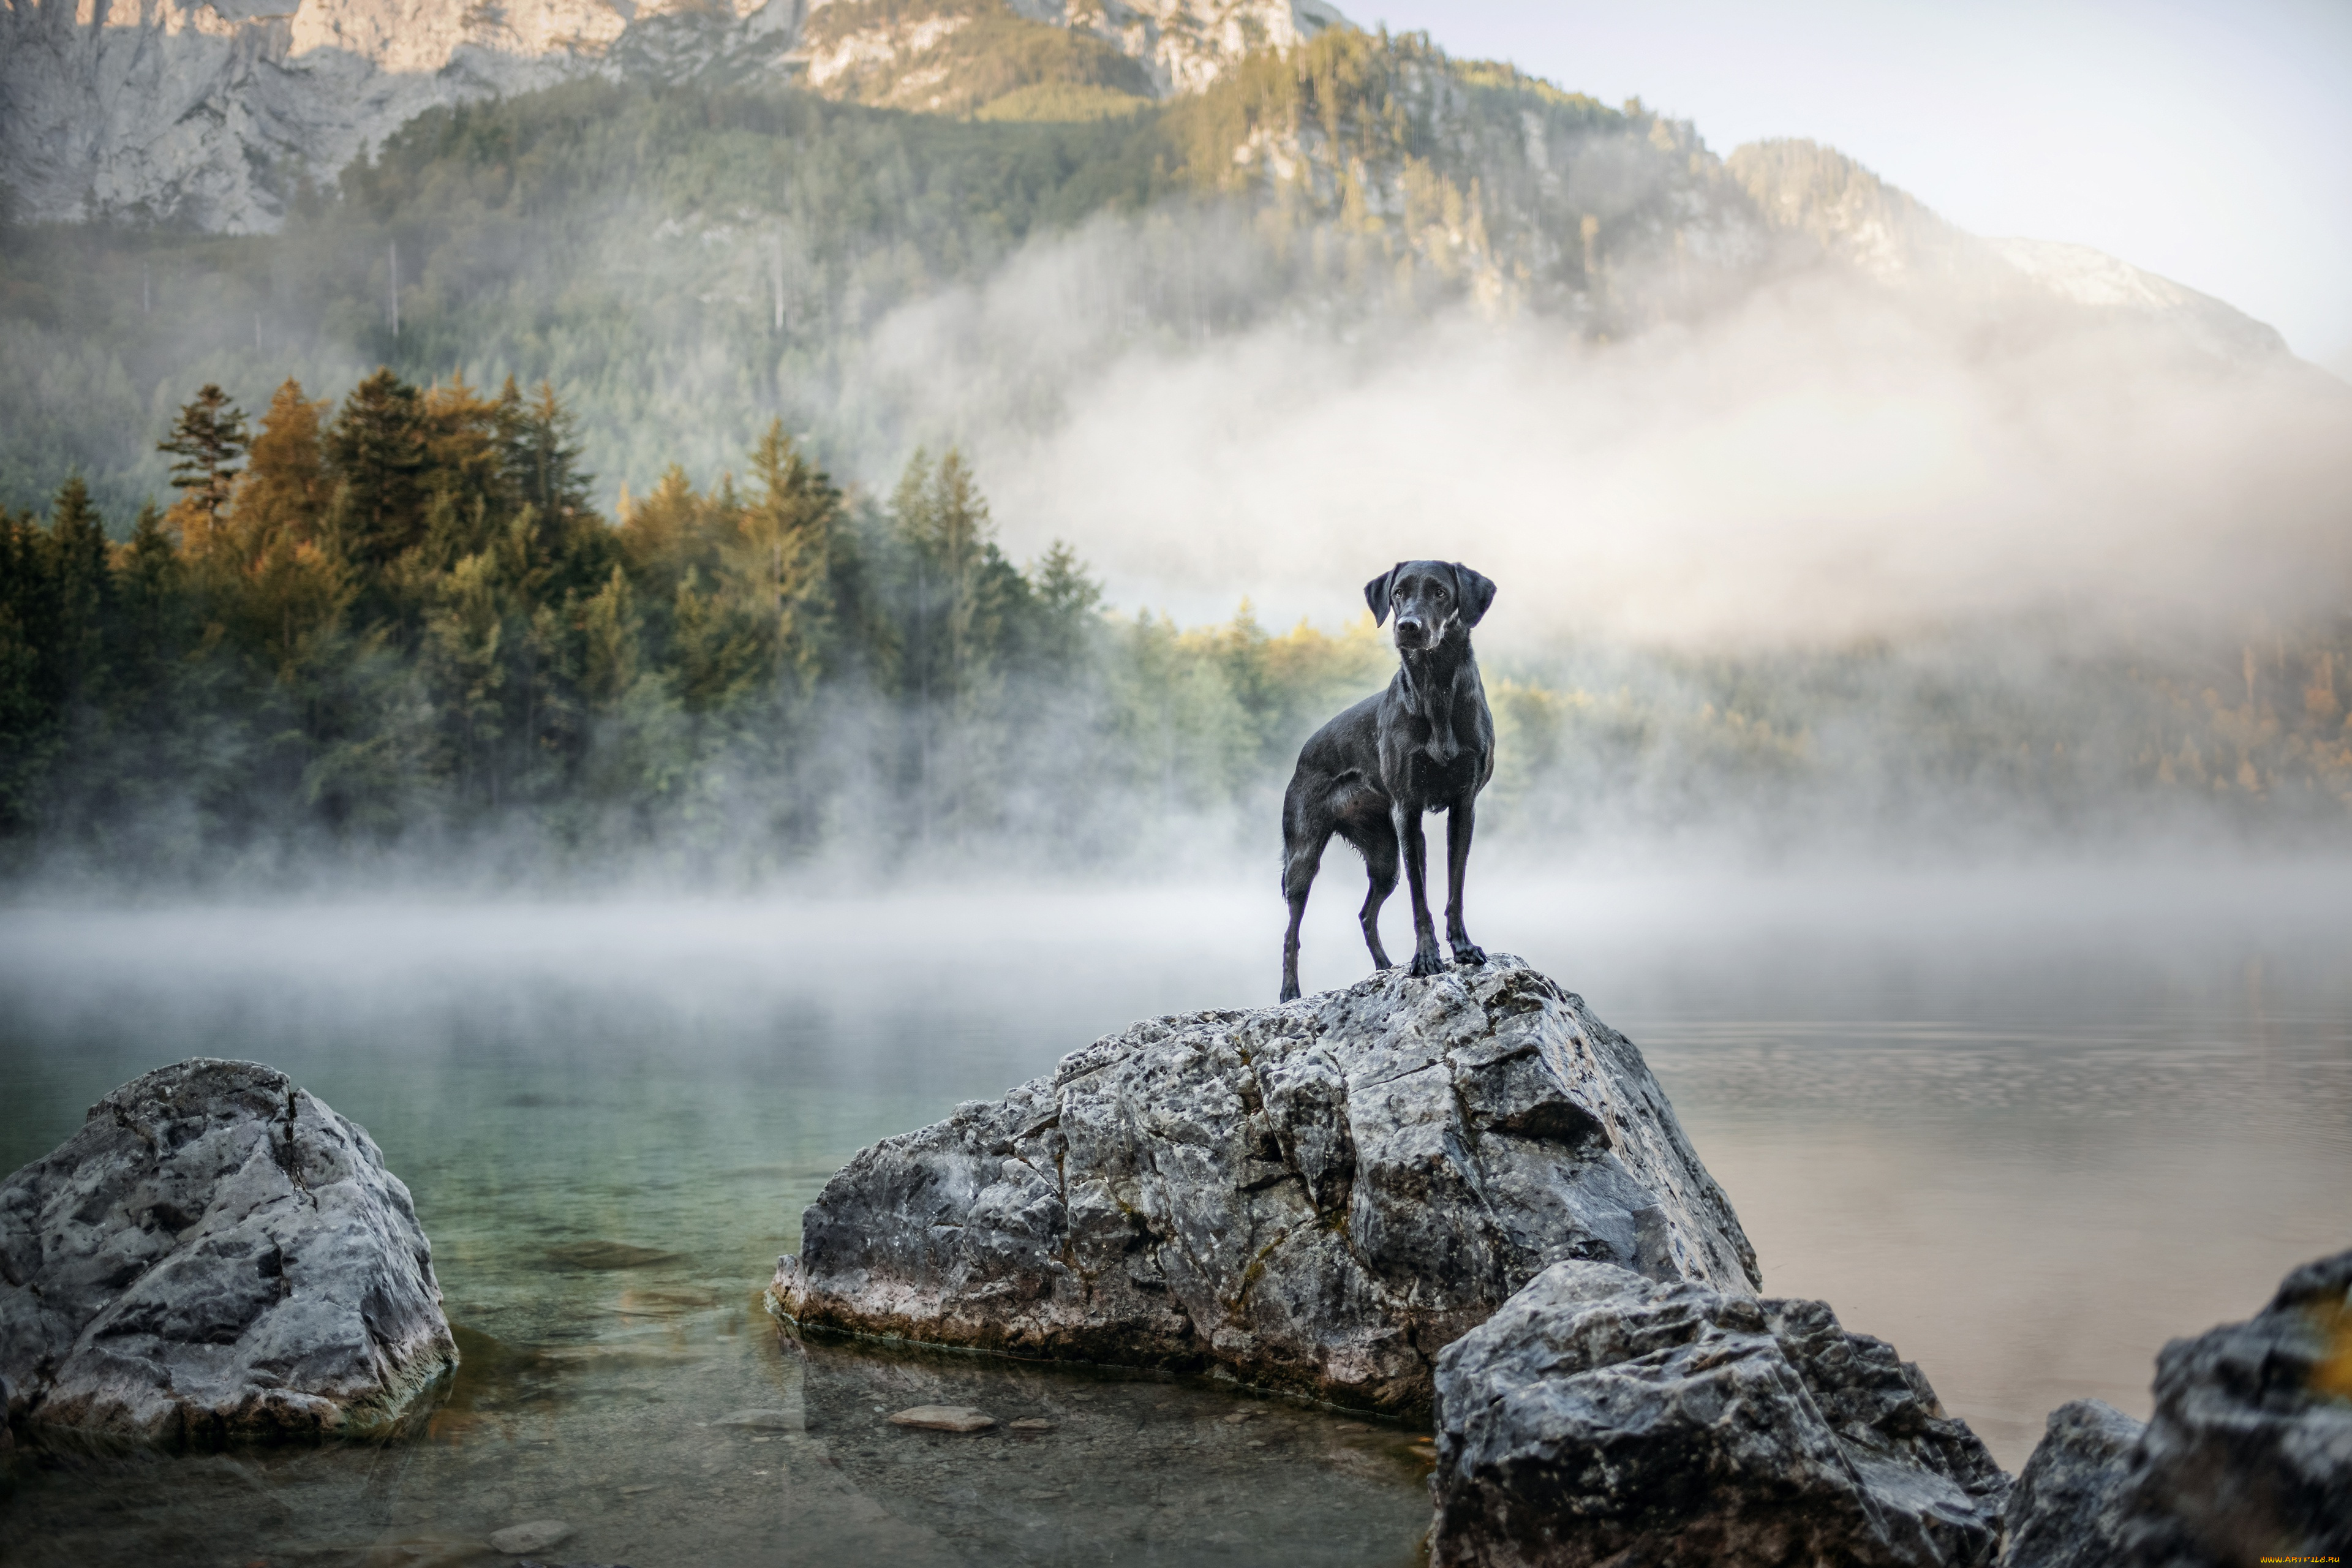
(691,263)
(399,624)
(396,631)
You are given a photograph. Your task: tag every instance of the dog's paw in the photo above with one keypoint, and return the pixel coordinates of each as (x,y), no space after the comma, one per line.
(1468,953)
(1426,962)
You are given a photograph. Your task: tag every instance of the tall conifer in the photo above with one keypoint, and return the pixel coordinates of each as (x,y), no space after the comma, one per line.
(285,490)
(83,590)
(375,450)
(209,438)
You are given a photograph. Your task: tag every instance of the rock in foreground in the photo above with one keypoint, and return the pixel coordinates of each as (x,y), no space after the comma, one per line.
(1320,1195)
(215,1254)
(2247,1459)
(1600,1417)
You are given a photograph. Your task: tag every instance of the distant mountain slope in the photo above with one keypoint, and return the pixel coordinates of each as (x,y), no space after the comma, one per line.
(217,115)
(214,112)
(1854,217)
(687,255)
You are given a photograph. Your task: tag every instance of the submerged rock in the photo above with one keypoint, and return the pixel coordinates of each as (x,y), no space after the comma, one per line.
(2248,1457)
(531,1535)
(1600,1417)
(214,1254)
(944,1419)
(1320,1195)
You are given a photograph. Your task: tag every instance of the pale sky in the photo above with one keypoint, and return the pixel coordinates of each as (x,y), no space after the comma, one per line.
(2210,144)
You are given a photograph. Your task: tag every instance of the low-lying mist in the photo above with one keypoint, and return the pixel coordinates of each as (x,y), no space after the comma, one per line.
(1823,459)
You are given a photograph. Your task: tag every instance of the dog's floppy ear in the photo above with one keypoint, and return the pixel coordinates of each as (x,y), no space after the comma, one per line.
(1376,593)
(1473,594)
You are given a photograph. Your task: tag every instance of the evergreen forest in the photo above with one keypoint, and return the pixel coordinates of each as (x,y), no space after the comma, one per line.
(395,632)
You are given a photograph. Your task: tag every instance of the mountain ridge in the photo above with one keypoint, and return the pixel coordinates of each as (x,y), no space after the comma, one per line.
(217,114)
(214,113)
(692,259)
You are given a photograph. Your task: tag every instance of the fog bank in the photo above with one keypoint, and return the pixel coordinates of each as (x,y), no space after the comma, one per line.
(1823,459)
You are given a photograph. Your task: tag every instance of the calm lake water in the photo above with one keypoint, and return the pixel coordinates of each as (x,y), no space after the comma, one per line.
(2025,1124)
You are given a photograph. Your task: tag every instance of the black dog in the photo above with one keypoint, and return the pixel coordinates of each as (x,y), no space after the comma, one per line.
(1427,744)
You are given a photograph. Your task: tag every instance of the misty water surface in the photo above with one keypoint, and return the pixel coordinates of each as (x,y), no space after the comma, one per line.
(2026,1123)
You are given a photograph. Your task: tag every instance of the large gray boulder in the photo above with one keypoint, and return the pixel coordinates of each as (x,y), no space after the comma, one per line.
(214,1254)
(1320,1195)
(2248,1457)
(1600,1417)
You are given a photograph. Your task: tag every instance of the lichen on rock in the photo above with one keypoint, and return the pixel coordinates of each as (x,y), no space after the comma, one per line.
(1318,1196)
(214,1254)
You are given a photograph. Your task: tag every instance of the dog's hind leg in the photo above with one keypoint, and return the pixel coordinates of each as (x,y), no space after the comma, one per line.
(1302,857)
(1459,823)
(1379,847)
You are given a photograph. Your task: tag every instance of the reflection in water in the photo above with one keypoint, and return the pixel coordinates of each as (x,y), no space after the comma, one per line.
(2028,1130)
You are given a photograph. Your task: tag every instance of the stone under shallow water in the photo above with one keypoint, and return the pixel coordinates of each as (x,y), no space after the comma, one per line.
(2247,1459)
(1600,1417)
(1319,1196)
(215,1254)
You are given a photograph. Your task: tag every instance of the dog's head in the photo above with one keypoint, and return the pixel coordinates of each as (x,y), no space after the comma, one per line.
(1432,599)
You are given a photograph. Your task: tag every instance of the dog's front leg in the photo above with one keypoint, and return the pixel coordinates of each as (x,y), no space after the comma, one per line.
(1459,823)
(1407,818)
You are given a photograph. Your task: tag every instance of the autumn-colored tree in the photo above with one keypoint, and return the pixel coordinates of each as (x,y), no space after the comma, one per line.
(286,490)
(274,584)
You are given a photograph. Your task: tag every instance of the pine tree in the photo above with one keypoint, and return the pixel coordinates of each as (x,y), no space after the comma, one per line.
(83,590)
(469,494)
(208,439)
(152,631)
(28,709)
(1068,600)
(375,450)
(539,443)
(958,530)
(785,555)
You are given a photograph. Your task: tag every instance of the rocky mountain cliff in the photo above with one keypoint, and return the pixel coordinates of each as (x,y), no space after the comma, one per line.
(213,112)
(697,244)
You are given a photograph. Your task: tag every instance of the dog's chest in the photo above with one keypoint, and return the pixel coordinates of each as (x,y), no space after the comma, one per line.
(1435,783)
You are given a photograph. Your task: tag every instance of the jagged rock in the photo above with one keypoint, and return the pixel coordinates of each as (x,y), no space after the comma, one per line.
(2247,1457)
(2065,1510)
(214,1254)
(1320,1195)
(1600,1417)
